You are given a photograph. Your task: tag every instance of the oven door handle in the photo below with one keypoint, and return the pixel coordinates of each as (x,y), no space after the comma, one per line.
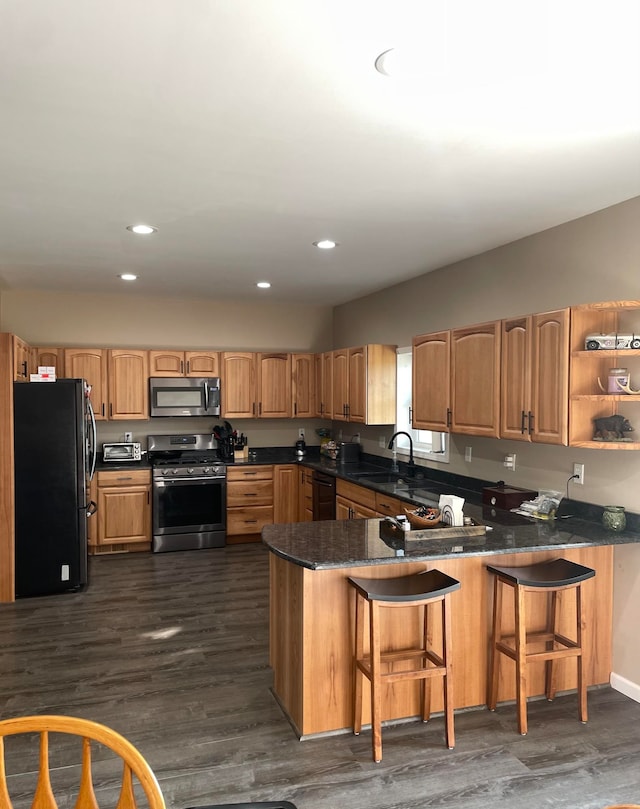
(163,483)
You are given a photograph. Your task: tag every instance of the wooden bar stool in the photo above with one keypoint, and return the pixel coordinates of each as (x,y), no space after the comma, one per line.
(551,577)
(417,590)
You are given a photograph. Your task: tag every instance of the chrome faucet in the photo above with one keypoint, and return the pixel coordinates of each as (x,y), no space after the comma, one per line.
(402,432)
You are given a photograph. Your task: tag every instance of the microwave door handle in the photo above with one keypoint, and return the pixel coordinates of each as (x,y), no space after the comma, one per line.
(206,396)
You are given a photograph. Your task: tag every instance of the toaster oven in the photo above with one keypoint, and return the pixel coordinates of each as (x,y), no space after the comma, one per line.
(121,453)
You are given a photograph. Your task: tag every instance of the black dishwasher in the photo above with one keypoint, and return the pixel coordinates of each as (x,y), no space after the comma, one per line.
(324,496)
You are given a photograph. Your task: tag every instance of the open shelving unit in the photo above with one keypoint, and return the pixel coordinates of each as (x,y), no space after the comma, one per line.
(586,400)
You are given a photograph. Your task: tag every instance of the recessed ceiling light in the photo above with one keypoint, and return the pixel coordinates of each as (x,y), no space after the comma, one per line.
(142,230)
(325,244)
(263,284)
(128,276)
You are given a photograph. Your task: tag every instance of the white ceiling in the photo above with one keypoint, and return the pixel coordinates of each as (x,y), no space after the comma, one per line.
(247,129)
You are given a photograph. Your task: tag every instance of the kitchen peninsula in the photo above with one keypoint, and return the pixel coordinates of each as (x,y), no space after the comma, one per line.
(311,607)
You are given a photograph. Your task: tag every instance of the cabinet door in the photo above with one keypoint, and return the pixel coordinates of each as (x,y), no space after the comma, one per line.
(285,493)
(550,377)
(21,360)
(475,377)
(305,495)
(515,379)
(389,506)
(343,509)
(128,384)
(89,364)
(340,384)
(238,389)
(319,387)
(202,363)
(124,514)
(431,382)
(274,386)
(327,384)
(303,385)
(49,357)
(166,363)
(357,385)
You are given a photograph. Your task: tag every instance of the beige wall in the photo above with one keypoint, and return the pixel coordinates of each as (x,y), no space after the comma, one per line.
(130,321)
(596,258)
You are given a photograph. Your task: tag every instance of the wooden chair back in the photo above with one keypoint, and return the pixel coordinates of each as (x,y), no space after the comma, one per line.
(133,762)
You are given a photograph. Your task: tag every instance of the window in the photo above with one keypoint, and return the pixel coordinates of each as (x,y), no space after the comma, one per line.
(426,443)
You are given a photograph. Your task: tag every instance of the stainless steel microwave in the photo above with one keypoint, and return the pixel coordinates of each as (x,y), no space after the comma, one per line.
(184,396)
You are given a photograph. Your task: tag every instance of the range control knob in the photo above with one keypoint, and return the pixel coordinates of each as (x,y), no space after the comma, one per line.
(206,470)
(174,471)
(190,471)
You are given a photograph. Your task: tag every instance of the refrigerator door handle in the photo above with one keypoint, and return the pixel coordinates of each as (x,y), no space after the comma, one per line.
(94,440)
(92,507)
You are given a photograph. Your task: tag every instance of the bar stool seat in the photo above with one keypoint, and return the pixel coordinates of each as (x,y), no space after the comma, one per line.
(552,577)
(415,590)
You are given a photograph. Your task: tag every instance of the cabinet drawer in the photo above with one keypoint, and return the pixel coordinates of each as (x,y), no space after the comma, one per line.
(249,473)
(248,520)
(250,493)
(357,494)
(124,477)
(389,506)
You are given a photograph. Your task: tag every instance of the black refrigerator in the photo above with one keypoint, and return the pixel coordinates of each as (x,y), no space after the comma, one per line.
(54,440)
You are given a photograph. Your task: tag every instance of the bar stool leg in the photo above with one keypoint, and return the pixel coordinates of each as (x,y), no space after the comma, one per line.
(376,697)
(426,682)
(551,670)
(582,683)
(521,659)
(358,676)
(448,677)
(496,637)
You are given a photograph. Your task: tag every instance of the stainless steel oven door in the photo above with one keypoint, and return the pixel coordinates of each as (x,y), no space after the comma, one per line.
(189,513)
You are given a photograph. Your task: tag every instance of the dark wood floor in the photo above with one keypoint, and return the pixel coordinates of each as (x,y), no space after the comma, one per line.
(171,650)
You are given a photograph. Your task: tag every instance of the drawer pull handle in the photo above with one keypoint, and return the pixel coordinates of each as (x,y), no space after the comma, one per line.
(250,521)
(250,494)
(125,478)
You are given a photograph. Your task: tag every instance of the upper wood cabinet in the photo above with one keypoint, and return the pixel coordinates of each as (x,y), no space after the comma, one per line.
(22,360)
(475,380)
(324,385)
(303,385)
(534,378)
(256,385)
(431,388)
(128,373)
(274,386)
(340,385)
(238,384)
(456,380)
(364,384)
(49,357)
(90,364)
(184,363)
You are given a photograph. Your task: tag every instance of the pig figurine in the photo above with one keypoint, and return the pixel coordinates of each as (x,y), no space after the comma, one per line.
(611,428)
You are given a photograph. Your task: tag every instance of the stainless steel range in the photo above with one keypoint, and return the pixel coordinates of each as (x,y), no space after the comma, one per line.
(189,492)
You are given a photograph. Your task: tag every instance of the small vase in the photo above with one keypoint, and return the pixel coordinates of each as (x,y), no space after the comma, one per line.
(613,518)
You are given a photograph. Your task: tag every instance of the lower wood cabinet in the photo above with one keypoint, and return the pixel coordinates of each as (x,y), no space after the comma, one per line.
(354,502)
(305,495)
(249,500)
(285,493)
(124,511)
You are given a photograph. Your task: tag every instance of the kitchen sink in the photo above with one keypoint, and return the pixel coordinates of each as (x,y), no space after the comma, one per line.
(381,477)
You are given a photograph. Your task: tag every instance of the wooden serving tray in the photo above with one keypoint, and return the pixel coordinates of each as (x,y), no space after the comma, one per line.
(389,531)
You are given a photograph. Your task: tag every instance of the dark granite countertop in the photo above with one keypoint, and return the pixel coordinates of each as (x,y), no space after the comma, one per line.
(357,543)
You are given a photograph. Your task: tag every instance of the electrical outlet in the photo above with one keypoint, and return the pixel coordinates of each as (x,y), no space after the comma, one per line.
(128,437)
(578,474)
(467,454)
(301,433)
(382,441)
(510,461)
